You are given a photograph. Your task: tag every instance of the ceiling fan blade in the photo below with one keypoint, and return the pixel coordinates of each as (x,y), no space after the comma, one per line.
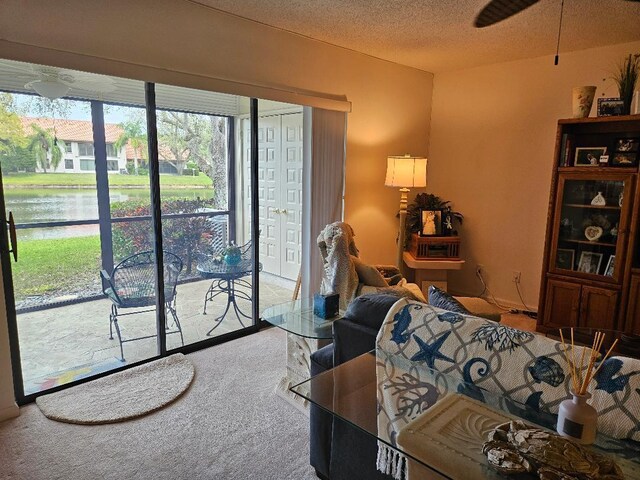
(497,10)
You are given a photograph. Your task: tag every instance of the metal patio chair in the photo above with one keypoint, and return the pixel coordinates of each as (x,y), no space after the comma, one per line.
(132,284)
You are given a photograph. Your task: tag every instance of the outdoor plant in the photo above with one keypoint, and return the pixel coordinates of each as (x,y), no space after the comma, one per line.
(187,237)
(426,201)
(626,78)
(231,254)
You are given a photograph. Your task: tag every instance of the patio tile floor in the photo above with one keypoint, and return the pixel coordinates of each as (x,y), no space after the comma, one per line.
(62,338)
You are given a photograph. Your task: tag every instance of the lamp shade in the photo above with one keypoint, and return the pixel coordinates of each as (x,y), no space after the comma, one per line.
(406,172)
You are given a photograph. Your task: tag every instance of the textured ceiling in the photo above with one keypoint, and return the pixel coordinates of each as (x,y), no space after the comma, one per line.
(438,35)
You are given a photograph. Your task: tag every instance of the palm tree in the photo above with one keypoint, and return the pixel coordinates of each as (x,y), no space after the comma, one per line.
(133,133)
(45,148)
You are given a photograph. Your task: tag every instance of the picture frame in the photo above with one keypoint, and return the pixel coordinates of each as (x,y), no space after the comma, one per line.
(430,222)
(610,107)
(627,145)
(624,159)
(565,258)
(588,156)
(590,262)
(609,271)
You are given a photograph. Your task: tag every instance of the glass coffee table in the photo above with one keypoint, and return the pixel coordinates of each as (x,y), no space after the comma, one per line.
(297,317)
(454,427)
(306,333)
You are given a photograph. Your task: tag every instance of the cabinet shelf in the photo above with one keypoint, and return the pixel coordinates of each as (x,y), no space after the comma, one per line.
(599,207)
(603,293)
(609,298)
(587,242)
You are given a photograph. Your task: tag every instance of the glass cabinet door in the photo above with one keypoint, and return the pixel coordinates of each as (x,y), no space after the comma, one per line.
(591,223)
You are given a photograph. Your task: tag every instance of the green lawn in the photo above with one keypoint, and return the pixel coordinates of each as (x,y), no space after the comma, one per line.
(115,180)
(59,265)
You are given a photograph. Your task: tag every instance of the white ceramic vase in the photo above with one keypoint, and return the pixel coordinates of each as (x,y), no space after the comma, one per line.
(582,101)
(577,420)
(599,200)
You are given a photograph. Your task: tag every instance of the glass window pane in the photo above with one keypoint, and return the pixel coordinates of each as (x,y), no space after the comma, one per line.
(194,140)
(64,305)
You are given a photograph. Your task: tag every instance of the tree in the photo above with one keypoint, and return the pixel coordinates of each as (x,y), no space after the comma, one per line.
(201,139)
(45,148)
(11,133)
(133,133)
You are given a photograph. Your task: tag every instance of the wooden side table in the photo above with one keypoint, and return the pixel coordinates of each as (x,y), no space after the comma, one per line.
(431,272)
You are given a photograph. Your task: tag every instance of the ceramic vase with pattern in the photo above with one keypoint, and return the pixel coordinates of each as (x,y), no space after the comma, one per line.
(582,101)
(577,420)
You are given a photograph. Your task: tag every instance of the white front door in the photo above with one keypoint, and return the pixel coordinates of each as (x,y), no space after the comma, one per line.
(279,192)
(291,201)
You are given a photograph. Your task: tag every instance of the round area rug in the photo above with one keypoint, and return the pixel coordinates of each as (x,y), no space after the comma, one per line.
(124,395)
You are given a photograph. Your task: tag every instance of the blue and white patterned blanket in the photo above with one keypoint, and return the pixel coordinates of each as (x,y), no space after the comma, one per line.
(477,355)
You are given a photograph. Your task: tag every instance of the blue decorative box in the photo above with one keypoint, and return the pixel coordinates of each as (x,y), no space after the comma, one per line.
(326,306)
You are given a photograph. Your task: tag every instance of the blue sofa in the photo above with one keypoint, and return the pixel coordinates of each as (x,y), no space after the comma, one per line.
(337,449)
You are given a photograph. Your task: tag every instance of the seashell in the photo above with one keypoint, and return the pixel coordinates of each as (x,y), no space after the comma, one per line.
(547,370)
(552,457)
(593,233)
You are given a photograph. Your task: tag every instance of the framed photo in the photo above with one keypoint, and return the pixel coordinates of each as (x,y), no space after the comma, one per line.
(610,266)
(430,223)
(622,159)
(627,144)
(590,262)
(588,156)
(565,257)
(610,107)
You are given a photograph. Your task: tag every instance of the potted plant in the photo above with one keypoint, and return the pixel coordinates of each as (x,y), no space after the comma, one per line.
(626,78)
(427,201)
(232,254)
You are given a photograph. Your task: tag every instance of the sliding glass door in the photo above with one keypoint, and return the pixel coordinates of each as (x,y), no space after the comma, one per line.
(100,188)
(113,187)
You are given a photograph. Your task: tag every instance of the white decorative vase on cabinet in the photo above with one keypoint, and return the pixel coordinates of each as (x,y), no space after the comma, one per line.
(582,101)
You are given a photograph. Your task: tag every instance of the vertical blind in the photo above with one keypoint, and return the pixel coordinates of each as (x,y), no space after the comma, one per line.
(323,187)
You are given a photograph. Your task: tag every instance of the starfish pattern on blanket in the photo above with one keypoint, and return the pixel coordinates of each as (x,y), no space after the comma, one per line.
(429,353)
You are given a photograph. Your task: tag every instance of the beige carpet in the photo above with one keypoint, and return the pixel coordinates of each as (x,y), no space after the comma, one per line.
(228,425)
(122,396)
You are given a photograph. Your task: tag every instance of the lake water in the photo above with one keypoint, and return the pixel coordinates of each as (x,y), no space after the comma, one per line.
(34,205)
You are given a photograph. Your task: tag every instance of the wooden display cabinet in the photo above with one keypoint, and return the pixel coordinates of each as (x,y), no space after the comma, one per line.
(591,240)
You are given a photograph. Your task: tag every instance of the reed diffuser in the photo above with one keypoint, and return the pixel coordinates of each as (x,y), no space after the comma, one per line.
(576,418)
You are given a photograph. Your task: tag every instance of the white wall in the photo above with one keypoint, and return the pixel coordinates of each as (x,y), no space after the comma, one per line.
(177,42)
(491,152)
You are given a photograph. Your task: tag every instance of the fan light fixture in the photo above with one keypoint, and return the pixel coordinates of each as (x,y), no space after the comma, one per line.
(51,89)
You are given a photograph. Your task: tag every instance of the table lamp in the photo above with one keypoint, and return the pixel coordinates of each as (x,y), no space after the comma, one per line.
(405,172)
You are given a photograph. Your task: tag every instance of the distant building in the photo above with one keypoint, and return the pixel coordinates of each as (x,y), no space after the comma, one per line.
(75,138)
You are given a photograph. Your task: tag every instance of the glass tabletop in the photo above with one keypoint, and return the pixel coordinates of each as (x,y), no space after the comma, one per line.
(297,317)
(219,269)
(354,392)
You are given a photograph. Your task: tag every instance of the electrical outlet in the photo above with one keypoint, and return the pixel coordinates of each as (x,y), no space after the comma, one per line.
(516,276)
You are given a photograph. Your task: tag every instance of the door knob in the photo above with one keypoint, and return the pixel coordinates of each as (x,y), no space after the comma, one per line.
(277,210)
(285,211)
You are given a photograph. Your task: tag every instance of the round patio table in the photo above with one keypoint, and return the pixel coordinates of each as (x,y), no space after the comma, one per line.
(227,279)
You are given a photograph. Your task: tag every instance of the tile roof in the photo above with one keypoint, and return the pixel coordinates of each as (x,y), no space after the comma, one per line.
(82,131)
(71,130)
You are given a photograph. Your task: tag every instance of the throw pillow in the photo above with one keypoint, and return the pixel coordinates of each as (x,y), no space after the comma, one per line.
(441,299)
(370,309)
(368,274)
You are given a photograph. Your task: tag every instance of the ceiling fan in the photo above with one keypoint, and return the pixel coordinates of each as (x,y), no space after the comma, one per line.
(52,82)
(498,10)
